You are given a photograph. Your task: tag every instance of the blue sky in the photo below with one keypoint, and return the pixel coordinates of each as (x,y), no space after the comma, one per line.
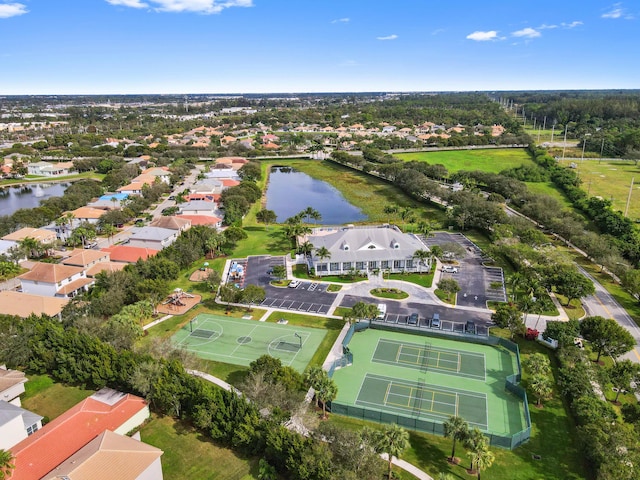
(259,46)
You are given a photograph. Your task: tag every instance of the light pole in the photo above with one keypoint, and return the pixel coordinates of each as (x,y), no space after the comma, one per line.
(584,144)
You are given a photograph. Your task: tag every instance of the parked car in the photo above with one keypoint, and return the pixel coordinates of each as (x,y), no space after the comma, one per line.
(294,283)
(435,320)
(413,319)
(91,245)
(450,269)
(470,327)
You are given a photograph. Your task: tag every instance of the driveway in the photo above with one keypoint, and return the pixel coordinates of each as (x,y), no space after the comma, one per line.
(306,297)
(474,278)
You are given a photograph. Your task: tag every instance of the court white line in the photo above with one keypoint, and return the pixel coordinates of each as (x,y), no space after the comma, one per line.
(469,393)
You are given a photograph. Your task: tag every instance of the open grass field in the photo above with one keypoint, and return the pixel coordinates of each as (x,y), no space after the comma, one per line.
(430,379)
(611,180)
(49,399)
(188,455)
(548,188)
(489,160)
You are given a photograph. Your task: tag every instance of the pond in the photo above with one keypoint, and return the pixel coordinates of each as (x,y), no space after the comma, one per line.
(291,191)
(28,196)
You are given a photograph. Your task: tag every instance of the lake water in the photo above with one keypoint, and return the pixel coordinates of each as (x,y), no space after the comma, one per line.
(28,196)
(291,191)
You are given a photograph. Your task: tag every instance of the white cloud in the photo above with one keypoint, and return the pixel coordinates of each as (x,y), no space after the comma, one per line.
(341,20)
(128,3)
(572,24)
(438,31)
(544,26)
(196,6)
(483,36)
(616,11)
(527,33)
(12,9)
(388,37)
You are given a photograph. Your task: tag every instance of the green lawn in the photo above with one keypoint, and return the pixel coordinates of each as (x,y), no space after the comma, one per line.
(189,455)
(489,160)
(422,279)
(49,399)
(548,188)
(612,181)
(391,293)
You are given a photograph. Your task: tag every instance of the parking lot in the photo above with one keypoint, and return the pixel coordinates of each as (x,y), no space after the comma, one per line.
(308,296)
(451,319)
(478,283)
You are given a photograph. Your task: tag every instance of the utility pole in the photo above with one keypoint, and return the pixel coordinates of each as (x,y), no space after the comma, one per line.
(564,144)
(601,150)
(626,209)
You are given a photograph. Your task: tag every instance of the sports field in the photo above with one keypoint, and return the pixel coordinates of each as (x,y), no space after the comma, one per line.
(240,342)
(431,379)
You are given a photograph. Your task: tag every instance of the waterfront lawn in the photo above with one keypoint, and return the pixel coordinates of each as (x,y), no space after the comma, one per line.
(188,454)
(492,160)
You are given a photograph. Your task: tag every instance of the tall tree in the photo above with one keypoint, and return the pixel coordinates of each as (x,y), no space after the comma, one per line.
(422,256)
(267,217)
(607,335)
(541,387)
(474,442)
(621,374)
(455,428)
(482,459)
(449,286)
(327,390)
(252,294)
(322,253)
(573,285)
(508,316)
(394,440)
(537,364)
(313,377)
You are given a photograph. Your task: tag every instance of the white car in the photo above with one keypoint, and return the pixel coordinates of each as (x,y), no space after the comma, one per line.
(294,283)
(450,269)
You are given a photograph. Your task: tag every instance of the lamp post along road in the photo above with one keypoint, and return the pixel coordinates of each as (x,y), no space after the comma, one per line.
(584,144)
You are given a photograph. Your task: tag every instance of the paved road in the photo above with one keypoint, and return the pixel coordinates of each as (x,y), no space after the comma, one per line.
(604,305)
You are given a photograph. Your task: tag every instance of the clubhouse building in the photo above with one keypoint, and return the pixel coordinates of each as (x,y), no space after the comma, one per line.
(366,249)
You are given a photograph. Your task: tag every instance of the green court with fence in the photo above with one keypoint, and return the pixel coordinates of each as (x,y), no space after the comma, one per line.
(420,381)
(239,341)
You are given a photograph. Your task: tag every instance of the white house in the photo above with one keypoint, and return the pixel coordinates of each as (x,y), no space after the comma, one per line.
(11,385)
(55,280)
(6,246)
(366,249)
(46,169)
(198,207)
(153,237)
(16,424)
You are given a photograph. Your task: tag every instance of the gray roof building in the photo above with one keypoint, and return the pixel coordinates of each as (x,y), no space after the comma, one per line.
(366,248)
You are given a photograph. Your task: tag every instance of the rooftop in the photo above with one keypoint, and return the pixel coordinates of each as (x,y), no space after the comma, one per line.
(50,272)
(127,254)
(47,448)
(24,304)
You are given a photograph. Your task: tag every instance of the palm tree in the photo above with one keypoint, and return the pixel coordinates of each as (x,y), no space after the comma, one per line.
(109,230)
(474,442)
(393,440)
(306,247)
(323,253)
(326,392)
(541,387)
(316,216)
(310,213)
(455,428)
(422,256)
(482,459)
(313,376)
(32,247)
(516,281)
(6,464)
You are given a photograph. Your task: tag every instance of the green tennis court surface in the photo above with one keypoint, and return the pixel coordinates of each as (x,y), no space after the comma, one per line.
(422,380)
(428,357)
(240,342)
(421,399)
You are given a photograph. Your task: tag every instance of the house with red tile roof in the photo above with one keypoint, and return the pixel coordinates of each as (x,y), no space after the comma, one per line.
(111,456)
(85,258)
(229,182)
(40,453)
(23,305)
(128,254)
(54,280)
(208,220)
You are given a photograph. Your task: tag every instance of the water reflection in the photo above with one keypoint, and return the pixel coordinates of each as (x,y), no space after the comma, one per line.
(291,191)
(28,196)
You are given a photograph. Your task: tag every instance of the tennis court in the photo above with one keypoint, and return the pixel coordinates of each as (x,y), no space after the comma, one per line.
(240,342)
(420,381)
(428,357)
(421,399)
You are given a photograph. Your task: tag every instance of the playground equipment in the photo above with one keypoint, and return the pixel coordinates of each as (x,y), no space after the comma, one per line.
(236,271)
(175,299)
